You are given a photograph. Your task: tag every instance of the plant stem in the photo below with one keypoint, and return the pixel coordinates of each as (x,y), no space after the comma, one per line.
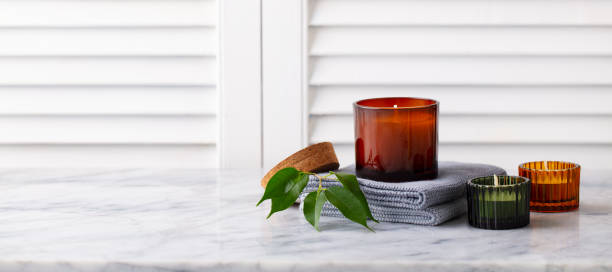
(321,178)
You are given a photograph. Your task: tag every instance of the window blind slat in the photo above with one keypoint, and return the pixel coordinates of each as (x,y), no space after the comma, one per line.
(463,12)
(74,13)
(394,41)
(460,70)
(115,70)
(108,100)
(108,155)
(108,130)
(108,42)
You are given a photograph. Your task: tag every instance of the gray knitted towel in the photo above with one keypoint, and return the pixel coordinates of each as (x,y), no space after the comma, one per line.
(431,216)
(427,202)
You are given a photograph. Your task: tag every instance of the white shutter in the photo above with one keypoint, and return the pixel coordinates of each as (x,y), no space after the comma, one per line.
(108,83)
(517,80)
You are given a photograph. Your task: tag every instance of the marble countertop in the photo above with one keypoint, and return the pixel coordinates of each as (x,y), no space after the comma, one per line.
(194,220)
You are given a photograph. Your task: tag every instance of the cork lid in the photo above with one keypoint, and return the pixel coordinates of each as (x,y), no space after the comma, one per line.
(319,157)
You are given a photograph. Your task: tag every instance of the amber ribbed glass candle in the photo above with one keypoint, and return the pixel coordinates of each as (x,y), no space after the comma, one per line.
(498,202)
(396,138)
(555,185)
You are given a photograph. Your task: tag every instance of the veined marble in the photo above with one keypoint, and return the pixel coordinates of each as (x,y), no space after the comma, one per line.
(194,220)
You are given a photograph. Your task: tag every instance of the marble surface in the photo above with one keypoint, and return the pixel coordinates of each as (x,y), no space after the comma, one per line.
(195,220)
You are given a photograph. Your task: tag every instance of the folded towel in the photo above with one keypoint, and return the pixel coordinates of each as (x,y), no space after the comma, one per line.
(431,216)
(418,195)
(428,202)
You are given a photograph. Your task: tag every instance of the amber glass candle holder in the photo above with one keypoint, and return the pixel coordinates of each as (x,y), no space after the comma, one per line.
(555,185)
(396,139)
(504,205)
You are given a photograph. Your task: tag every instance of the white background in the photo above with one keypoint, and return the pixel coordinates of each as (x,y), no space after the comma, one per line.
(517,80)
(244,83)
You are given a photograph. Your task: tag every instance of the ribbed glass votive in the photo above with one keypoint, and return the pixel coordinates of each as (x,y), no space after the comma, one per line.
(555,185)
(504,205)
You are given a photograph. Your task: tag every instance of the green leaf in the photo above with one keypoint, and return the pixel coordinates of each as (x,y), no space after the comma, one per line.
(278,183)
(350,182)
(313,203)
(348,204)
(292,191)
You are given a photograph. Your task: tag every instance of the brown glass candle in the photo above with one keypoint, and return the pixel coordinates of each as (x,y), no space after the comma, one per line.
(396,138)
(555,185)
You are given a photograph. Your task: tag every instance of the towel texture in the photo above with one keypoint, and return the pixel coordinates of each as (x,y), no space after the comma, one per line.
(428,202)
(431,216)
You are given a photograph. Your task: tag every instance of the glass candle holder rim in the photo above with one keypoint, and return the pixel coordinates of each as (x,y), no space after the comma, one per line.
(433,103)
(575,166)
(523,181)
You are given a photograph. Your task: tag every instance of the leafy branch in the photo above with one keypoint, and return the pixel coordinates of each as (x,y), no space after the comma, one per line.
(286,185)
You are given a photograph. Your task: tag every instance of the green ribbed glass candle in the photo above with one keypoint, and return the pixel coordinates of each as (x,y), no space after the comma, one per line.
(498,205)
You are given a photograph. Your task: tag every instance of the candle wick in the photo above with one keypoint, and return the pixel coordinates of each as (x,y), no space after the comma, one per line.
(495,180)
